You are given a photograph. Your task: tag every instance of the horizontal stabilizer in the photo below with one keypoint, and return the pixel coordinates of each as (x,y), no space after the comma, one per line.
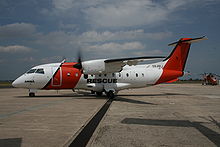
(191,40)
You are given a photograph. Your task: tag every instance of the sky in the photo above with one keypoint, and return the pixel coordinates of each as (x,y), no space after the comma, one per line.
(34,32)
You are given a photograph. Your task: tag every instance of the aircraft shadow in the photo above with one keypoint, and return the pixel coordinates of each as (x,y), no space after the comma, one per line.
(88,96)
(210,134)
(161,94)
(11,142)
(211,119)
(61,95)
(122,99)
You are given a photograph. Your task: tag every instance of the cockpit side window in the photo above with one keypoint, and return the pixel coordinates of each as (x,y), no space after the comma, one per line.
(40,71)
(31,71)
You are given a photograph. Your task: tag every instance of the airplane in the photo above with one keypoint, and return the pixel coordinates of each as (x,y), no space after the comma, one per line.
(108,76)
(210,79)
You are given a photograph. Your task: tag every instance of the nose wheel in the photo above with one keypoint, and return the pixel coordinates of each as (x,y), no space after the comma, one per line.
(31,94)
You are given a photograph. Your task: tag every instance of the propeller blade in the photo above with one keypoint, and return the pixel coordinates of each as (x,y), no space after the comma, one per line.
(78,65)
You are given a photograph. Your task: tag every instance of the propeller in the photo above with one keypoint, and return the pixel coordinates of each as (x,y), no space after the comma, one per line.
(78,65)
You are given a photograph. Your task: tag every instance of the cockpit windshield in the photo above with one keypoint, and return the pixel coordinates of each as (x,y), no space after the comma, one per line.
(31,71)
(39,71)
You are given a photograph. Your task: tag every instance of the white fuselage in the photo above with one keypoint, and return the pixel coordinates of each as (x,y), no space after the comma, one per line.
(130,77)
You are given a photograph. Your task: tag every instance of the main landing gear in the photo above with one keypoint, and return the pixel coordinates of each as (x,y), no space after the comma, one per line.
(99,93)
(110,94)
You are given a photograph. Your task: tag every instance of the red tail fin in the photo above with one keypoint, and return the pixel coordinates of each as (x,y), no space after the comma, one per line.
(177,59)
(175,62)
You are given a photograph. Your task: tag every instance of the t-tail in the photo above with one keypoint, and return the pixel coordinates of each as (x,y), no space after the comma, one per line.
(175,63)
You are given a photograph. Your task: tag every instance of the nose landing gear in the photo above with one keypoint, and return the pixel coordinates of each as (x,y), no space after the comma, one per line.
(32,92)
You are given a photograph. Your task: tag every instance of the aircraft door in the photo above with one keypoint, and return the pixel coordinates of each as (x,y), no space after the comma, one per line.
(57,78)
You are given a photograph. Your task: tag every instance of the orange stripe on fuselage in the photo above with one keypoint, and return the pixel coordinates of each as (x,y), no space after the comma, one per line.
(65,78)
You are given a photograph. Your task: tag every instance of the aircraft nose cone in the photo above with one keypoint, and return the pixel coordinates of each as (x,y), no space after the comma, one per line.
(15,83)
(19,82)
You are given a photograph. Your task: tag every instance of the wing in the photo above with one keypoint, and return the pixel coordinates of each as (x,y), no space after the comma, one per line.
(111,65)
(133,59)
(118,63)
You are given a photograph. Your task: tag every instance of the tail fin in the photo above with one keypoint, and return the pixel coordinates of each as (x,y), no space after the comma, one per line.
(178,57)
(174,64)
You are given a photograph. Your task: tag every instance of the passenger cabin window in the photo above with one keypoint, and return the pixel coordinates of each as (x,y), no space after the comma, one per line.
(40,71)
(142,74)
(136,75)
(31,71)
(127,74)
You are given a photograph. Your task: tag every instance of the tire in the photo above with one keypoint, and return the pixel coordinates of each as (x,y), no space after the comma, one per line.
(31,94)
(110,94)
(99,93)
(92,92)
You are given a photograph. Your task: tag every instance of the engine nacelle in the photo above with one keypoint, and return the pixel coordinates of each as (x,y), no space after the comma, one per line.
(99,66)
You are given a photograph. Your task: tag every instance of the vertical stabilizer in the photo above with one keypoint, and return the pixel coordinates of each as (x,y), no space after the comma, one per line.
(176,61)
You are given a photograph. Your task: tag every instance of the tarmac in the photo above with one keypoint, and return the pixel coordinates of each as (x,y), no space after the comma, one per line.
(162,115)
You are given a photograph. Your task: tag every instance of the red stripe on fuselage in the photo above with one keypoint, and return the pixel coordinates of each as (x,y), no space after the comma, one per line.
(169,75)
(65,78)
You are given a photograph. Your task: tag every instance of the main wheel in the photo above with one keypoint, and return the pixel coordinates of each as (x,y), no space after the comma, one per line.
(99,93)
(31,94)
(110,94)
(92,92)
